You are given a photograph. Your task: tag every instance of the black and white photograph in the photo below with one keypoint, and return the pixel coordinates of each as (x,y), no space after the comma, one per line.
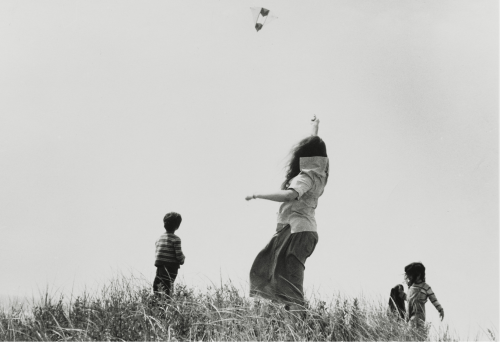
(253,170)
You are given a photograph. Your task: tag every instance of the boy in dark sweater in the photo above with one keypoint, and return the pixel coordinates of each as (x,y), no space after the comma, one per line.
(169,254)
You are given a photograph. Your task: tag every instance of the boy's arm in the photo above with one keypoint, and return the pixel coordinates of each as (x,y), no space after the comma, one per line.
(178,252)
(434,301)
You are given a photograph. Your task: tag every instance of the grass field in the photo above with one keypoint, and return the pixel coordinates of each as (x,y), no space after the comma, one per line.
(126,309)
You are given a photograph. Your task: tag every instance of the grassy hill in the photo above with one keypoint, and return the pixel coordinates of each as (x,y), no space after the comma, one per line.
(125,310)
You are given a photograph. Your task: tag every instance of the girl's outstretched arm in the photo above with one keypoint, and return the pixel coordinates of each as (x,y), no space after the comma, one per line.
(277,196)
(314,126)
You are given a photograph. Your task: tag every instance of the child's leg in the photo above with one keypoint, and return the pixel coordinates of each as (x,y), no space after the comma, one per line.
(162,280)
(419,327)
(171,273)
(157,281)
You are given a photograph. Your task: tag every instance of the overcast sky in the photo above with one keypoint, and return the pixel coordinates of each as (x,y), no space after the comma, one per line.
(114,113)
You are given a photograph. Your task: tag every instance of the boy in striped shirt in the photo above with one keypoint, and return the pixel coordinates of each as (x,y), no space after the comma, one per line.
(169,254)
(418,293)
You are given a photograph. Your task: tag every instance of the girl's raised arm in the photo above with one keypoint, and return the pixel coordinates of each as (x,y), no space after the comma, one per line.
(289,194)
(314,126)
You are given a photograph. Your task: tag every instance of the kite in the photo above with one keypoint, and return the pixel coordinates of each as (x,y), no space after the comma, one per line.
(261,16)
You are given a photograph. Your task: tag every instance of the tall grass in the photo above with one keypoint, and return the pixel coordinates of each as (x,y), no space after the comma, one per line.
(127,310)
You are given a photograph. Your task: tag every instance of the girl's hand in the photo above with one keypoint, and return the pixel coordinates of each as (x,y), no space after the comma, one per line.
(441,314)
(314,125)
(248,198)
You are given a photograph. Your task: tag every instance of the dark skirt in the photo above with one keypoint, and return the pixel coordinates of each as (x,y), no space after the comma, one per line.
(278,270)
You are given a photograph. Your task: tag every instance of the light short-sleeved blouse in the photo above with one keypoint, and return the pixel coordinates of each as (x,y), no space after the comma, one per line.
(309,184)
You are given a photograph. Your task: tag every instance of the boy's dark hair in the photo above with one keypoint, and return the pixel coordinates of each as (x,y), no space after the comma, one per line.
(172,221)
(414,270)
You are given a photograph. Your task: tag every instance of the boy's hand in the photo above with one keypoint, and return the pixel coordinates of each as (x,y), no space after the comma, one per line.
(250,197)
(441,314)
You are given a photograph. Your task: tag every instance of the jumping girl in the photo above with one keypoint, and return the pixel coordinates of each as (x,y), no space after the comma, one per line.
(278,270)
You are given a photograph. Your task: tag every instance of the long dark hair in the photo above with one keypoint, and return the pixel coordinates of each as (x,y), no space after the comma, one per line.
(312,146)
(396,303)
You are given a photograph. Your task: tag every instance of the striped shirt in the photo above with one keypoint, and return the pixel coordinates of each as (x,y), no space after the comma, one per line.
(417,297)
(168,250)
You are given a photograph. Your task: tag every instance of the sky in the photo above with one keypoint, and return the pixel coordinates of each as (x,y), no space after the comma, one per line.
(113,113)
